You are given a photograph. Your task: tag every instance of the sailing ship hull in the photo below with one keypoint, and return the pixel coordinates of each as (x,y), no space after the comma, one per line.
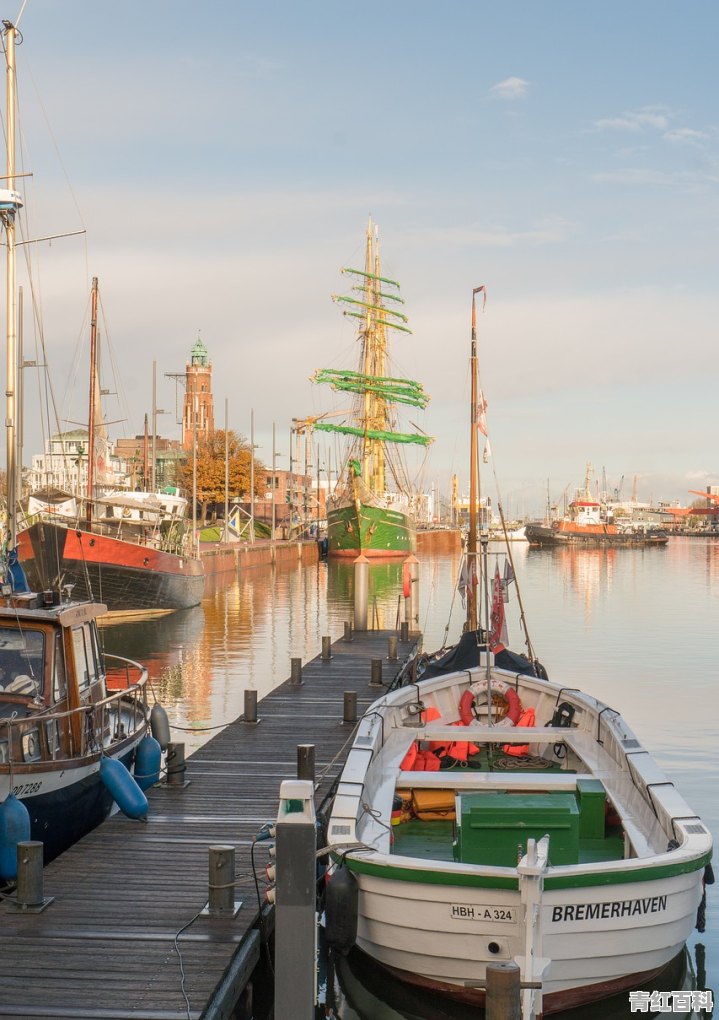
(591,536)
(125,576)
(375,532)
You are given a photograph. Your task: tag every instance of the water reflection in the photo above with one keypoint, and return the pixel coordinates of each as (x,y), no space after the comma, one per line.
(360,990)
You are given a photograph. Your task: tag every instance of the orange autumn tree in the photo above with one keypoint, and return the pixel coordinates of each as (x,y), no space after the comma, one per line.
(211,470)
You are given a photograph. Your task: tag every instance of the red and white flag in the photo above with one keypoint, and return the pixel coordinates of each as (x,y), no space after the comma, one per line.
(498,630)
(482,414)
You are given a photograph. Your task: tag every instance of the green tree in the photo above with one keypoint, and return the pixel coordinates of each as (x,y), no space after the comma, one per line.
(211,470)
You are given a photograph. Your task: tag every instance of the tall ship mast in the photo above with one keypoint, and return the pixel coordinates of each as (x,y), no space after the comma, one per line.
(366,515)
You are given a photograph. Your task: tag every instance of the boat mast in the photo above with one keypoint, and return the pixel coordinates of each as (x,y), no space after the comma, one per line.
(93,398)
(472,571)
(10,205)
(367,366)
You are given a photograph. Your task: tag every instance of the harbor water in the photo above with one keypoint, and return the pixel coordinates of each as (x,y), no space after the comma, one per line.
(635,628)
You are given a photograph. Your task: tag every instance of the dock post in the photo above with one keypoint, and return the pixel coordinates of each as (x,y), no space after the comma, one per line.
(221,882)
(404,631)
(349,714)
(296,671)
(392,648)
(361,578)
(348,631)
(412,603)
(296,874)
(250,713)
(503,992)
(306,762)
(326,648)
(29,896)
(175,764)
(376,673)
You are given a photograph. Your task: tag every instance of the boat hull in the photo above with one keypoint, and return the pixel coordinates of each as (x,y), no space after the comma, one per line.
(126,576)
(436,935)
(375,532)
(541,535)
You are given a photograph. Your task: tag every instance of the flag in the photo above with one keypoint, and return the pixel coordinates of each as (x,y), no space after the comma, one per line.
(467,580)
(507,579)
(498,624)
(482,414)
(487,452)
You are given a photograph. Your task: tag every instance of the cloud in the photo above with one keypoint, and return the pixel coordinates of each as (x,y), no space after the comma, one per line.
(636,120)
(510,88)
(685,135)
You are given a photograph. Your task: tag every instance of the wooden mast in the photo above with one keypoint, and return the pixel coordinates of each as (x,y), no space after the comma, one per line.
(10,207)
(93,400)
(472,534)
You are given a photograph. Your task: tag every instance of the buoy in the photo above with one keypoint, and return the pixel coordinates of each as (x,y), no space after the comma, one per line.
(147,762)
(341,909)
(14,829)
(160,725)
(125,791)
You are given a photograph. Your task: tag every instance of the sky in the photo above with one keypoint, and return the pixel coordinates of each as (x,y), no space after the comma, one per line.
(223,159)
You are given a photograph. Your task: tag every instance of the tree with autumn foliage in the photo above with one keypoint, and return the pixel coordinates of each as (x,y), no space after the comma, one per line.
(211,470)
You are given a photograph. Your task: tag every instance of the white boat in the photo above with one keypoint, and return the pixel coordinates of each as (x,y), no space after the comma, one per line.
(491,816)
(608,900)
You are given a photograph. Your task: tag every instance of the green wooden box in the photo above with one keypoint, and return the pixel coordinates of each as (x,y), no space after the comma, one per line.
(493,827)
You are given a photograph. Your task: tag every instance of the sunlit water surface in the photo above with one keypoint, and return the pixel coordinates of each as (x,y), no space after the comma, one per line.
(636,628)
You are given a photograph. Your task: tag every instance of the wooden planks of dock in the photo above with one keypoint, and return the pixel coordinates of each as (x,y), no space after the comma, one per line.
(126,936)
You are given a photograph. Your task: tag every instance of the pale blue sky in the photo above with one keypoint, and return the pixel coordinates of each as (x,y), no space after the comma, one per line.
(224,158)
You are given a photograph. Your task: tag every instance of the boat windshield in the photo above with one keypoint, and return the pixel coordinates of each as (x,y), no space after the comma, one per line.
(21,658)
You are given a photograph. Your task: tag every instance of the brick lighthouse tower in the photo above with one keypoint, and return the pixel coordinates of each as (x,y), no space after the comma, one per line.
(198,412)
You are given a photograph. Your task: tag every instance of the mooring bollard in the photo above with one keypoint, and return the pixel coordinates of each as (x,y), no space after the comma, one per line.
(503,992)
(392,647)
(221,882)
(296,871)
(306,762)
(361,578)
(295,671)
(376,673)
(175,764)
(404,631)
(326,648)
(350,707)
(29,894)
(412,603)
(250,713)
(348,631)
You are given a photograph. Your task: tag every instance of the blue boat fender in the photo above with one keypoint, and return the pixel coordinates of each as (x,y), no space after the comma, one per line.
(160,725)
(14,829)
(125,791)
(147,762)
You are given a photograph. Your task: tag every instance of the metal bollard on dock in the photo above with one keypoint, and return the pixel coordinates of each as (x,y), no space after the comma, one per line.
(296,671)
(348,631)
(361,579)
(326,648)
(349,714)
(175,766)
(221,882)
(376,673)
(503,992)
(404,631)
(392,648)
(306,762)
(29,897)
(250,713)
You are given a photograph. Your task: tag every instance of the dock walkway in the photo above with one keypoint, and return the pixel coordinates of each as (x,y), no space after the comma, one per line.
(125,936)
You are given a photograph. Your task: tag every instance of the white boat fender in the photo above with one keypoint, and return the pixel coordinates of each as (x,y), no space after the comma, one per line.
(126,793)
(160,725)
(147,762)
(341,910)
(477,694)
(14,829)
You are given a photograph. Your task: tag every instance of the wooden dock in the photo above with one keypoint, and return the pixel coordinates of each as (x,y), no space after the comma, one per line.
(126,936)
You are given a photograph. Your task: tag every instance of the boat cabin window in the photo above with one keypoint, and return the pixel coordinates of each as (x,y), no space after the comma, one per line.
(87,659)
(21,658)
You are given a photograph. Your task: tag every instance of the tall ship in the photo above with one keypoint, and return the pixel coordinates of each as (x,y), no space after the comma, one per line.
(133,551)
(365,514)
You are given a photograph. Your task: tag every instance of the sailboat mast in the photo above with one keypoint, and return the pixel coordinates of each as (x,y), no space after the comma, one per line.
(473,480)
(379,369)
(93,398)
(367,342)
(10,205)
